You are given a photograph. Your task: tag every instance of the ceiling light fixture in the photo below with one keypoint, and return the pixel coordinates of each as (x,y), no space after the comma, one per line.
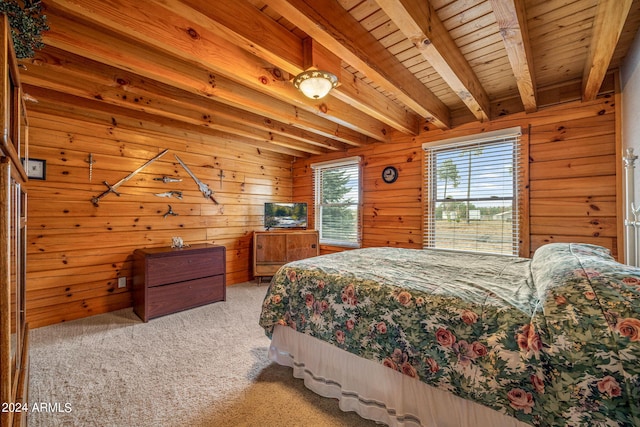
(315,84)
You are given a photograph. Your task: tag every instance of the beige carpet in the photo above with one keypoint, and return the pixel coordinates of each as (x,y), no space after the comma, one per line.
(203,367)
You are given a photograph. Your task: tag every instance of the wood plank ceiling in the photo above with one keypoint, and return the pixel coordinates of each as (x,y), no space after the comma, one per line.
(225,67)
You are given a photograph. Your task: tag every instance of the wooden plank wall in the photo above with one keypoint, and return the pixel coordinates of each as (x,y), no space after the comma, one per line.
(76,251)
(572,167)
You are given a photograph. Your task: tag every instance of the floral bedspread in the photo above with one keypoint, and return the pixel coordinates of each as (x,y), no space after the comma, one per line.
(551,341)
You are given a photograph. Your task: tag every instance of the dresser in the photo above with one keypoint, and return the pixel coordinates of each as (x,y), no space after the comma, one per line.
(273,249)
(168,280)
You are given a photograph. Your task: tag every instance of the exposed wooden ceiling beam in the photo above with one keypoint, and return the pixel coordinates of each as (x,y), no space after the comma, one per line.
(167,31)
(332,26)
(512,21)
(607,27)
(243,25)
(102,46)
(419,22)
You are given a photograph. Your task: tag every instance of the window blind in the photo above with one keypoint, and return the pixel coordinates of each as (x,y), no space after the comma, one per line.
(472,187)
(337,201)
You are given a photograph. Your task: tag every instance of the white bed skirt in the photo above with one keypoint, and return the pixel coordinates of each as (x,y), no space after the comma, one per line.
(374,391)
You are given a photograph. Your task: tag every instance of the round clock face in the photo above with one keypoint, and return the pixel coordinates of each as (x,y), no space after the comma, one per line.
(389,174)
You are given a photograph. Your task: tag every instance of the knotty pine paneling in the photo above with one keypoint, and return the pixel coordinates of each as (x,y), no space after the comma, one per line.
(572,189)
(76,251)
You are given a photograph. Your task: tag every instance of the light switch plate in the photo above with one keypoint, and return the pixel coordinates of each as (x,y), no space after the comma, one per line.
(122,282)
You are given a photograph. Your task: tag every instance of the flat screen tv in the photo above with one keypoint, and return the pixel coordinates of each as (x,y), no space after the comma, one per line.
(285,215)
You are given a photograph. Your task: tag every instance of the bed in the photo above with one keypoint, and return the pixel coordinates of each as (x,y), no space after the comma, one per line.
(412,337)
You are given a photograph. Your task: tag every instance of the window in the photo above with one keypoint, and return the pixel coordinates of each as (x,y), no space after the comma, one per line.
(337,201)
(472,187)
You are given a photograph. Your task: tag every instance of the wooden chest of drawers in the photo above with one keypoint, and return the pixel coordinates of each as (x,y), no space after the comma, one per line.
(168,280)
(273,249)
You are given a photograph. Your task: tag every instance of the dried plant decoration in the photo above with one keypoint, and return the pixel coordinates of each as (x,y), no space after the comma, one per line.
(27,24)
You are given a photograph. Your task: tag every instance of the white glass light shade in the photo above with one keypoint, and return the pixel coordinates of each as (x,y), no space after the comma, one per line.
(315,84)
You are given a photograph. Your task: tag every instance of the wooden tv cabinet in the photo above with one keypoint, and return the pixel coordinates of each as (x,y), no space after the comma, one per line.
(168,280)
(273,249)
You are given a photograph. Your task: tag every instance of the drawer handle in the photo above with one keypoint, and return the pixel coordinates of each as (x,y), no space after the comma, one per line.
(313,246)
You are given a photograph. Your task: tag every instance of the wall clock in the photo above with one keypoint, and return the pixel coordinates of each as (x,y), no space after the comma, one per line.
(389,174)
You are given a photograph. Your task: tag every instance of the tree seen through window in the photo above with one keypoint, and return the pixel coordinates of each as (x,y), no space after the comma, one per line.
(337,202)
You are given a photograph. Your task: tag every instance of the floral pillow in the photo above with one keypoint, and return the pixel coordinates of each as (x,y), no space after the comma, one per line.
(591,328)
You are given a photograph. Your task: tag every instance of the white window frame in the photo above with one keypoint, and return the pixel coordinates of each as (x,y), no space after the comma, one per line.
(430,176)
(318,168)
